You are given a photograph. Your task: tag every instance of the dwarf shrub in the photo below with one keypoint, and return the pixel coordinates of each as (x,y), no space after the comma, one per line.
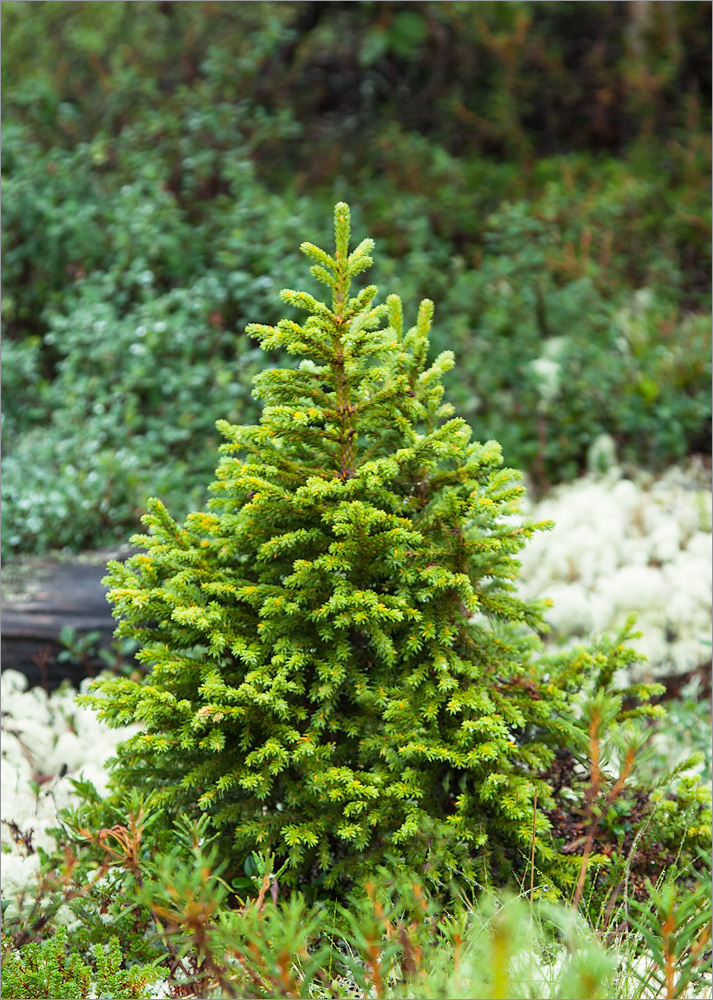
(52,969)
(341,672)
(134,346)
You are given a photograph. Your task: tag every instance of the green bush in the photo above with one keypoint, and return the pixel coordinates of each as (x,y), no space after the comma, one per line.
(569,357)
(318,685)
(128,304)
(52,969)
(140,356)
(521,80)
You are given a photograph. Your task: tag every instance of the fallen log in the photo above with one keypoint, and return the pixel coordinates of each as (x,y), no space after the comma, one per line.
(43,595)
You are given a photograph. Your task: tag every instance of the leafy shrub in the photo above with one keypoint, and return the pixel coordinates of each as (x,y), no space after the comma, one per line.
(569,365)
(127,307)
(521,81)
(142,367)
(96,69)
(51,969)
(569,311)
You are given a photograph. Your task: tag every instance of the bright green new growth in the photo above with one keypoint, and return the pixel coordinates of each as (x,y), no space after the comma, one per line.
(320,683)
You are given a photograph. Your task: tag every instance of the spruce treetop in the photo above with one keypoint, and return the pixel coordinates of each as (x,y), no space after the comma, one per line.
(340,670)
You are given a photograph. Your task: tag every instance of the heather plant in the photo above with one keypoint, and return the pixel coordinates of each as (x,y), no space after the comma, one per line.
(320,683)
(52,968)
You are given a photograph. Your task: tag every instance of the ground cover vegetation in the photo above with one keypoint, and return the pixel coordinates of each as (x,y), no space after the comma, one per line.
(162,161)
(353,745)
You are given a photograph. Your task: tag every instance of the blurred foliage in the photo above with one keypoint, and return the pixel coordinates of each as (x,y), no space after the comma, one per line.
(540,169)
(521,77)
(137,356)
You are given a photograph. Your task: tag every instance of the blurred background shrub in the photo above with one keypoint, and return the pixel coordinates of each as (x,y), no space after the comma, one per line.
(541,170)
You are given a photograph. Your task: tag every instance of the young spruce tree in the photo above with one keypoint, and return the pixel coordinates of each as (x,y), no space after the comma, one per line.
(341,672)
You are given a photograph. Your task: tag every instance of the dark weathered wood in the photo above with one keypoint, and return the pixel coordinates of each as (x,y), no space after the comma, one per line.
(42,596)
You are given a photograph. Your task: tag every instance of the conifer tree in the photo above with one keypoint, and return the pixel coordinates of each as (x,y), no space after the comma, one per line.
(340,669)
